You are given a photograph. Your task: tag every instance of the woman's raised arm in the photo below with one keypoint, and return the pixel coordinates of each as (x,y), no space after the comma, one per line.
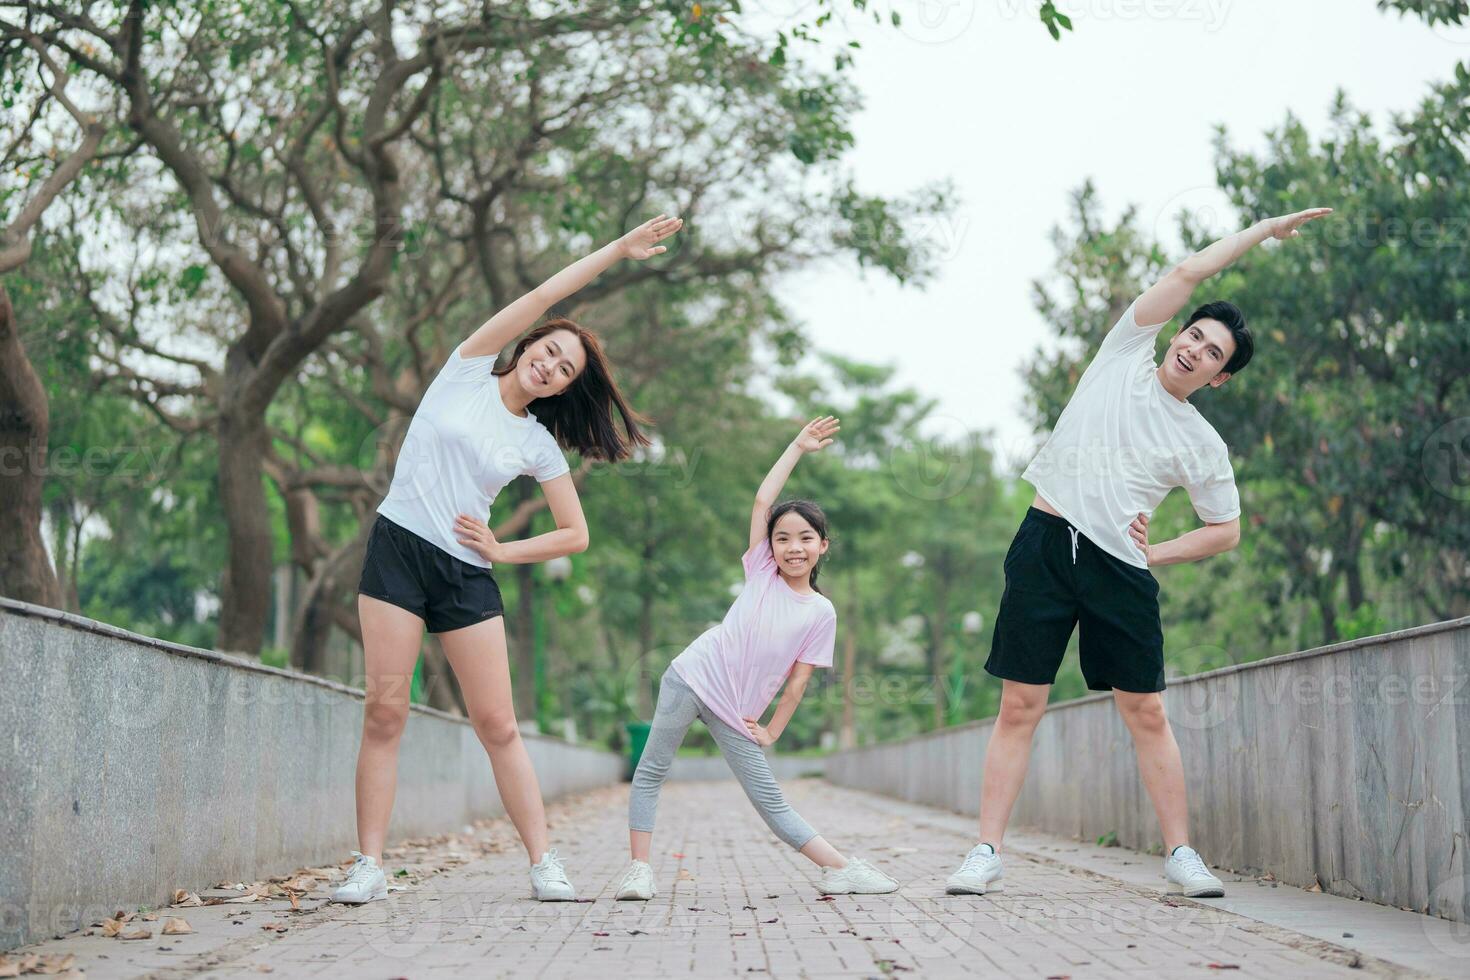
(516,318)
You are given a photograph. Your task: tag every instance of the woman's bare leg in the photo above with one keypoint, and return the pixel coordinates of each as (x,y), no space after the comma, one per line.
(481,664)
(391,640)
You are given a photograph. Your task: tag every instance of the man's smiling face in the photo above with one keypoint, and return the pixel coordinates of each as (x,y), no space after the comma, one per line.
(1197,357)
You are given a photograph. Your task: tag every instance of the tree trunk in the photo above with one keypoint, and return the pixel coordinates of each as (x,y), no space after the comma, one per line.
(245,592)
(26,572)
(847,735)
(1352,564)
(327,590)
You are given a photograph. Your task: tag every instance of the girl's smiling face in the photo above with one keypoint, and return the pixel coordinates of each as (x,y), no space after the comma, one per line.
(796,545)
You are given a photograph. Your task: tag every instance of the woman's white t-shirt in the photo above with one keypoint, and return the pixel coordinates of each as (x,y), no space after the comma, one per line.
(1123,442)
(462,447)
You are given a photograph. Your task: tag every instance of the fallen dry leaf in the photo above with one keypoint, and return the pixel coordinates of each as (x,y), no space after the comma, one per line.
(185,899)
(151,917)
(238,900)
(174,926)
(111,927)
(54,964)
(137,934)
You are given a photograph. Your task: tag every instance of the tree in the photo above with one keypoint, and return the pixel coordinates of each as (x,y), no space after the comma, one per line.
(59,139)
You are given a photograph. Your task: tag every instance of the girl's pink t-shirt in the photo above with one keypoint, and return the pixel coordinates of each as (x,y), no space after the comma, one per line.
(737,667)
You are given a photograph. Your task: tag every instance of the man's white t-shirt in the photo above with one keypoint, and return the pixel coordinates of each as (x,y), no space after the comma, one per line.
(1123,442)
(462,447)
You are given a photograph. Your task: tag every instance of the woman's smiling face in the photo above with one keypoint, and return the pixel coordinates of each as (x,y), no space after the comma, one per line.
(551,363)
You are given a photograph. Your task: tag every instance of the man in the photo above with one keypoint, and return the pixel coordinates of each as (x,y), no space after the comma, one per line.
(1127,437)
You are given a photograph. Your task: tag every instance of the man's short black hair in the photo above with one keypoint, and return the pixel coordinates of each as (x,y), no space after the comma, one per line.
(1234,320)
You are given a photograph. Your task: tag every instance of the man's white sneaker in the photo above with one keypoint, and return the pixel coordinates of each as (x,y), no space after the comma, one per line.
(1188,875)
(980,873)
(549,880)
(637,884)
(365,882)
(857,877)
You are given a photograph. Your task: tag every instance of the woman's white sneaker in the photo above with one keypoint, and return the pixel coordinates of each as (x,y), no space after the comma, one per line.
(980,873)
(365,882)
(857,877)
(1188,875)
(549,880)
(637,884)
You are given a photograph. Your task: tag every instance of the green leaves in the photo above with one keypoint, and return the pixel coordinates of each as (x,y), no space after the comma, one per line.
(1431,11)
(191,278)
(1054,19)
(819,115)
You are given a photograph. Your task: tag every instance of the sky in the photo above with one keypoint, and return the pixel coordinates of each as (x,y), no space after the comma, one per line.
(977,92)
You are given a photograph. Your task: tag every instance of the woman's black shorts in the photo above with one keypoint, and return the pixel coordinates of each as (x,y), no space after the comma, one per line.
(1056,578)
(443,591)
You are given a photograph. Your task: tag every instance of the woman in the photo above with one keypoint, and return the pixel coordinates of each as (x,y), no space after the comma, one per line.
(430,552)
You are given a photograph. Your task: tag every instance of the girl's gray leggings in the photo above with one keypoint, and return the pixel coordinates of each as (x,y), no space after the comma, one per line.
(678,706)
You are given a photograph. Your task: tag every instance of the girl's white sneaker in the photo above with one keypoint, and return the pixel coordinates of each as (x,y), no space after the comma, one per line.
(1188,875)
(980,873)
(549,880)
(857,877)
(365,882)
(637,884)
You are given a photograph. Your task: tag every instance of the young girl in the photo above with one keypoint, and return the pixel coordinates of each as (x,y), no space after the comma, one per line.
(430,552)
(779,628)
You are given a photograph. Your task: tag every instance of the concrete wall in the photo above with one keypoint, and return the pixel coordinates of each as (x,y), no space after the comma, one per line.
(130,767)
(1348,765)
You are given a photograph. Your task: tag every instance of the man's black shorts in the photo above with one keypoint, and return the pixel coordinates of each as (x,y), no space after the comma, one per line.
(443,591)
(1056,577)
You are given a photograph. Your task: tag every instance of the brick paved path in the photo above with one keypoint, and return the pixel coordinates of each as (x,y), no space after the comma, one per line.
(732,901)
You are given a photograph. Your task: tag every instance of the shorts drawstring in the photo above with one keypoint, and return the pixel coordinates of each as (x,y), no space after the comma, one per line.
(1074,532)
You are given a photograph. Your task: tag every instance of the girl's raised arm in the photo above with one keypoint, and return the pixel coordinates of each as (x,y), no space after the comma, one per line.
(516,318)
(815,436)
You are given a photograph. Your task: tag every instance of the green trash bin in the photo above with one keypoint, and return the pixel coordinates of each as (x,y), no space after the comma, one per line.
(637,739)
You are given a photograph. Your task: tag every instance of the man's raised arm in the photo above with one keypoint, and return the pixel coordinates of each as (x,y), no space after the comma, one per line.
(1167,296)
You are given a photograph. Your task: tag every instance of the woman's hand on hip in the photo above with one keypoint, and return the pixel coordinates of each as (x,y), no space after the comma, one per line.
(476,535)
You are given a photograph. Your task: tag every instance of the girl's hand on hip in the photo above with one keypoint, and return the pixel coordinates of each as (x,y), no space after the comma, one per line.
(476,535)
(762,737)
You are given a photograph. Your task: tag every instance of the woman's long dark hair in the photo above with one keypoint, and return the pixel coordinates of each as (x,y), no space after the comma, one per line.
(581,417)
(809,512)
